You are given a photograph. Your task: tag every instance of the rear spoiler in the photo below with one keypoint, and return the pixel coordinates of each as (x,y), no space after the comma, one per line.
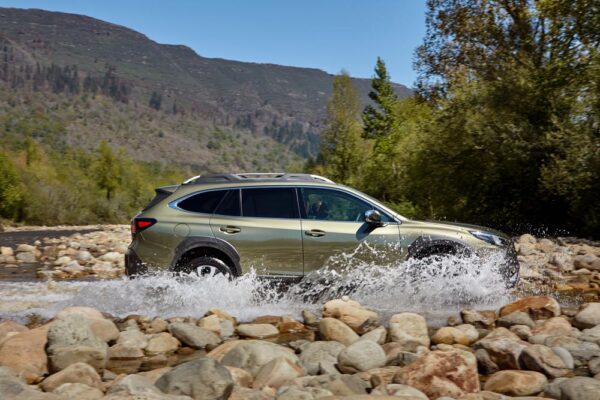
(161,193)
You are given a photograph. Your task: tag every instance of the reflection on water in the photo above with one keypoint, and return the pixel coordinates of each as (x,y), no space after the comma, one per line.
(435,287)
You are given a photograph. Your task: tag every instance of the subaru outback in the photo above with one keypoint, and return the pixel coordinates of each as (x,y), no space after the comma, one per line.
(286,225)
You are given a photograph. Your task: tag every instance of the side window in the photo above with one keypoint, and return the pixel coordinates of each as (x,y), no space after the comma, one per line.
(271,202)
(230,204)
(205,202)
(333,205)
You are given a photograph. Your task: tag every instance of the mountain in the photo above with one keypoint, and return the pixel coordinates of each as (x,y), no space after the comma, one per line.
(105,81)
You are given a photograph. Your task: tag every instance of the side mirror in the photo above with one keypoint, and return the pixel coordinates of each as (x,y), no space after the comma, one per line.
(373,217)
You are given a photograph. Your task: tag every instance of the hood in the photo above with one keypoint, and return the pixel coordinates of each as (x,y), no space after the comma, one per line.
(463,226)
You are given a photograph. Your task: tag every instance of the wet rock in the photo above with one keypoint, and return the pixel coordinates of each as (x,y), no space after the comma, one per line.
(78,391)
(515,318)
(361,356)
(194,336)
(257,331)
(479,319)
(410,330)
(442,373)
(277,373)
(336,330)
(320,357)
(24,353)
(251,355)
(542,359)
(70,340)
(516,383)
(74,373)
(539,307)
(577,388)
(450,335)
(503,347)
(588,316)
(203,379)
(161,343)
(310,319)
(360,319)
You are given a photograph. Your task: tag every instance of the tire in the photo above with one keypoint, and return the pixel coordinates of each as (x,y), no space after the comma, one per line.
(206,266)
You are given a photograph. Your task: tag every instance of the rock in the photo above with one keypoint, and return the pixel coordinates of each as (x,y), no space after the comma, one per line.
(277,373)
(442,373)
(251,355)
(581,351)
(194,336)
(542,359)
(26,248)
(240,377)
(400,392)
(485,363)
(132,338)
(257,331)
(26,257)
(159,325)
(589,335)
(516,383)
(479,319)
(360,319)
(64,260)
(527,239)
(320,357)
(594,365)
(522,331)
(336,330)
(112,257)
(587,261)
(562,261)
(70,340)
(339,385)
(6,251)
(377,335)
(211,323)
(546,246)
(87,312)
(12,388)
(310,319)
(515,318)
(470,332)
(73,268)
(78,391)
(202,378)
(74,373)
(8,328)
(557,326)
(83,256)
(577,388)
(588,316)
(161,343)
(25,354)
(137,387)
(295,393)
(450,335)
(379,376)
(526,249)
(396,354)
(123,359)
(565,356)
(503,347)
(540,307)
(361,356)
(242,393)
(410,330)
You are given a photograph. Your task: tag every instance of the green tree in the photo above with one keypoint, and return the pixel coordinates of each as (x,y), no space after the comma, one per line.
(380,121)
(342,149)
(11,193)
(107,170)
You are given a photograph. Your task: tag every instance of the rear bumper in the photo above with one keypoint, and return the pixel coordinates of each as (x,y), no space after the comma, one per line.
(510,268)
(133,265)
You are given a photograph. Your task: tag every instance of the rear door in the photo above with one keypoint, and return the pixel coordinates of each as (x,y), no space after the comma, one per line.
(334,231)
(263,224)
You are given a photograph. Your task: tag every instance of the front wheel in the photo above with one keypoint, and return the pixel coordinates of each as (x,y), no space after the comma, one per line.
(206,266)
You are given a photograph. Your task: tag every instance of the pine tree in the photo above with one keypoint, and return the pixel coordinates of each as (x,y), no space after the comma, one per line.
(380,121)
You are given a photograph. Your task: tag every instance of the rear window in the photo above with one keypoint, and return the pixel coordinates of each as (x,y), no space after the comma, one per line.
(269,203)
(205,202)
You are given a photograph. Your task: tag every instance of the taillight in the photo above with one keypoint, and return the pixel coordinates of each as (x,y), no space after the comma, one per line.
(140,224)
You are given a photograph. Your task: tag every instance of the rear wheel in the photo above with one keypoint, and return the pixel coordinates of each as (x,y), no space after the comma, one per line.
(206,266)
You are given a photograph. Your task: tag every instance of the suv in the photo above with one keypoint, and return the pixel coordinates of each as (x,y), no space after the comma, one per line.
(286,225)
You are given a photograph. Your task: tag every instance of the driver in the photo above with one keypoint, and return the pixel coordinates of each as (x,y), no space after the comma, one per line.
(318,209)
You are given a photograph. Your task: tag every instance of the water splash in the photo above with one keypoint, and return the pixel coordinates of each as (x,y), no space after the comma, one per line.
(436,287)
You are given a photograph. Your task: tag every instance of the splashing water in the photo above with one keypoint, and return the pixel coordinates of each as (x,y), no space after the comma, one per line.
(435,287)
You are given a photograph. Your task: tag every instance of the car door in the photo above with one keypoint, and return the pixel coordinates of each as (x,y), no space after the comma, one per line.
(263,224)
(333,228)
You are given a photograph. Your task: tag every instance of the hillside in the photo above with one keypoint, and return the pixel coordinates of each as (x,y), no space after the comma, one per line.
(163,99)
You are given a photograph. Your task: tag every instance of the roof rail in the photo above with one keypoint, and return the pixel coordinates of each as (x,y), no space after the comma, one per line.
(256,177)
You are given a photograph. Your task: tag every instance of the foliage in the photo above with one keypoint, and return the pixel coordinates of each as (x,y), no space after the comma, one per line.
(11,195)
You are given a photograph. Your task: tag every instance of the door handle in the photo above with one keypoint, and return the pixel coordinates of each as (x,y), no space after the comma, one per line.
(315,233)
(230,229)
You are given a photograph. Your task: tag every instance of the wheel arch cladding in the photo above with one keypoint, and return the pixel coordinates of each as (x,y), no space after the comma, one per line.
(192,247)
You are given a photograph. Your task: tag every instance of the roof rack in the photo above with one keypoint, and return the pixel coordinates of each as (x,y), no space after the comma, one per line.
(256,177)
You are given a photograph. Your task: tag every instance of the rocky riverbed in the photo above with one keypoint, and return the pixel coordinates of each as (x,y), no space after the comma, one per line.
(530,348)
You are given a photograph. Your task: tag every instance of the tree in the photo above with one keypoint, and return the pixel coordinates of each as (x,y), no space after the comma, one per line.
(379,121)
(11,194)
(342,149)
(155,100)
(107,170)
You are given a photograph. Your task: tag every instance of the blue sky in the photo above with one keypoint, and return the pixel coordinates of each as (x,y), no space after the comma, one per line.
(325,34)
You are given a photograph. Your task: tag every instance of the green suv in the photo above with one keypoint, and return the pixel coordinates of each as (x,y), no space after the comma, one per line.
(286,225)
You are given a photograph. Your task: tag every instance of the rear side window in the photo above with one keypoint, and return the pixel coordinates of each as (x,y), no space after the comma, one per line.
(269,203)
(205,202)
(230,205)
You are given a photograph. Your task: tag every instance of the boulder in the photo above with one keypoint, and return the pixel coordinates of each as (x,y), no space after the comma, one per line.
(70,340)
(6,251)
(123,359)
(162,343)
(450,373)
(26,257)
(577,388)
(22,248)
(78,391)
(25,354)
(450,335)
(588,261)
(581,351)
(479,319)
(251,355)
(556,326)
(8,328)
(538,307)
(202,378)
(516,383)
(410,330)
(503,347)
(515,318)
(320,357)
(338,384)
(243,393)
(470,332)
(257,331)
(361,356)
(277,372)
(336,330)
(543,359)
(12,388)
(591,335)
(132,338)
(588,316)
(87,312)
(240,377)
(377,335)
(360,319)
(399,392)
(305,393)
(194,336)
(139,388)
(74,373)
(396,354)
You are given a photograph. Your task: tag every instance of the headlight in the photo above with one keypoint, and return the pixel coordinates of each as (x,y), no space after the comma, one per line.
(487,237)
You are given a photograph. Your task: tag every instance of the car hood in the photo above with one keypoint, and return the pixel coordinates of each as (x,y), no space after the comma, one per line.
(463,226)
